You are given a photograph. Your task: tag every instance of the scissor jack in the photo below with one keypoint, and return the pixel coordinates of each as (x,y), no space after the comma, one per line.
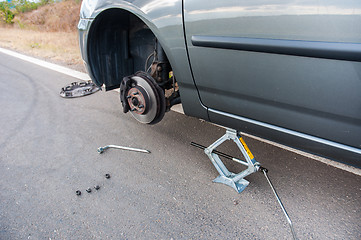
(233,180)
(237,181)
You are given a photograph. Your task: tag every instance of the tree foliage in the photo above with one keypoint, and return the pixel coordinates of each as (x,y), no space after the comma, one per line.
(8,10)
(6,13)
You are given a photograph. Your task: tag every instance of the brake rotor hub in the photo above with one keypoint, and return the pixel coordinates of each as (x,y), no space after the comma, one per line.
(138,100)
(141,95)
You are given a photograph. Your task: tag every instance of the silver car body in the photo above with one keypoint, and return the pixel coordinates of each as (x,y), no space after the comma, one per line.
(288,71)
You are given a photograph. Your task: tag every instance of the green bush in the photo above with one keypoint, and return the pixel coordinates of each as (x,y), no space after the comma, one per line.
(9,10)
(22,6)
(6,13)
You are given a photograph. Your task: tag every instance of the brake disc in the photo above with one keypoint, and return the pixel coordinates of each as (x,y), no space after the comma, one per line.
(161,106)
(146,99)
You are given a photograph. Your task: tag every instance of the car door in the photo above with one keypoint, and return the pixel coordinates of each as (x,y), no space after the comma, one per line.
(293,64)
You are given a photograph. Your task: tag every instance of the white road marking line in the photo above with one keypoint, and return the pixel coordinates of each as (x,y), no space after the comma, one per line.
(178,108)
(51,66)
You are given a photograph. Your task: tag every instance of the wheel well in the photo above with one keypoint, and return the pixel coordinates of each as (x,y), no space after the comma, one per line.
(119,44)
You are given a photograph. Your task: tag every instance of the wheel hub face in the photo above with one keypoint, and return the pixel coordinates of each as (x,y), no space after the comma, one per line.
(142,100)
(138,100)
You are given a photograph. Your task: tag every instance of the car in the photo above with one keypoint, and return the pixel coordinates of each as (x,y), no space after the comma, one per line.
(287,71)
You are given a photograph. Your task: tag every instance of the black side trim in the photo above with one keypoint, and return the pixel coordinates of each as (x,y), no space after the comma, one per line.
(327,50)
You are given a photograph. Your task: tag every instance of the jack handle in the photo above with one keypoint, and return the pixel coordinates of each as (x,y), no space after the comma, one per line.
(265,171)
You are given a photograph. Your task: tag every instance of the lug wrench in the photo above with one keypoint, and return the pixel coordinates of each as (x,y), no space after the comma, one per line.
(260,169)
(102,149)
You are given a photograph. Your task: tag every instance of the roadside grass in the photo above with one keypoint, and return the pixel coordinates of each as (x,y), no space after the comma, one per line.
(58,47)
(60,16)
(49,33)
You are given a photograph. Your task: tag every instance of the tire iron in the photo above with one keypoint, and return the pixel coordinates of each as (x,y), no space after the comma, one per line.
(102,149)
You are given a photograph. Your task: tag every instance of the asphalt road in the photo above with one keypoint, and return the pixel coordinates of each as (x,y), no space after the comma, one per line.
(48,151)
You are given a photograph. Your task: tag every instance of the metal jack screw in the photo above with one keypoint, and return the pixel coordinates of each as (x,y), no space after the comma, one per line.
(102,149)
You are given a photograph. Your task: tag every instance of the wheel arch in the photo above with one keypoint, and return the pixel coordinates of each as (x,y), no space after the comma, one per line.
(113,48)
(170,36)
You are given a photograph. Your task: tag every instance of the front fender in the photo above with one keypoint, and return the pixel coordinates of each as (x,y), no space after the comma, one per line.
(164,18)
